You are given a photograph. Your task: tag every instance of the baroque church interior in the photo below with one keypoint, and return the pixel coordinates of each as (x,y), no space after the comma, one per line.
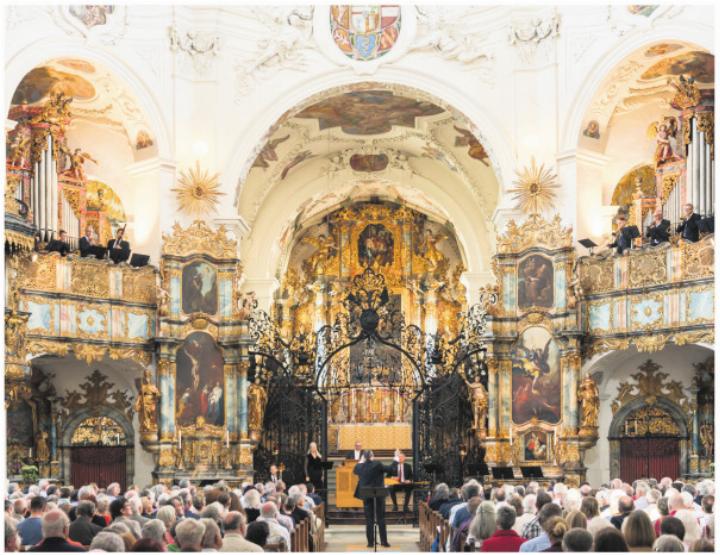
(476,239)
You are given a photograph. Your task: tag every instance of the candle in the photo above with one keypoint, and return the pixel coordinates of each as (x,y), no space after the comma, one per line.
(30,452)
(227,439)
(180,439)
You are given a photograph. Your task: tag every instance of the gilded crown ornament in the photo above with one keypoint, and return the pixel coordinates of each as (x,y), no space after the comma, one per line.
(198,192)
(534,189)
(687,96)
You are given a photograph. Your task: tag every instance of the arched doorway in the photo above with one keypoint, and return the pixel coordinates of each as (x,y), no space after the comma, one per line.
(648,441)
(98,452)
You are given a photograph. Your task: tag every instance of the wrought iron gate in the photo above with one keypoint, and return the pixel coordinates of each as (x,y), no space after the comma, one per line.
(442,431)
(294,417)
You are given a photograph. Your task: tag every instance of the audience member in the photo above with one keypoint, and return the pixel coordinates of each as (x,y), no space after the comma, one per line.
(577,540)
(505,538)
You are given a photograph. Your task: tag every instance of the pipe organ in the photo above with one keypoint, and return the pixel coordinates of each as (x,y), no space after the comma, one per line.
(699,173)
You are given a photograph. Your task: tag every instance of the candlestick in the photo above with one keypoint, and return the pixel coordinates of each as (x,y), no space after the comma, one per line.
(179,439)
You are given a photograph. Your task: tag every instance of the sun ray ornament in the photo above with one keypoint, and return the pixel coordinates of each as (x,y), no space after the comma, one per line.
(198,192)
(534,189)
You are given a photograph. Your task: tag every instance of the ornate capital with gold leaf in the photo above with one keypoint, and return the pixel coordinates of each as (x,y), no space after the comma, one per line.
(199,238)
(649,384)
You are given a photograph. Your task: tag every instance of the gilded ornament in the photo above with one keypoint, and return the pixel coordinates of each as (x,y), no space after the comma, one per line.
(589,398)
(198,192)
(596,274)
(166,458)
(90,278)
(706,124)
(257,400)
(687,93)
(668,184)
(535,189)
(534,232)
(246,456)
(650,420)
(648,267)
(94,394)
(649,385)
(199,238)
(698,259)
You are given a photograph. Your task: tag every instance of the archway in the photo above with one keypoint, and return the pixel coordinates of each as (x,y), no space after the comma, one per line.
(98,446)
(648,441)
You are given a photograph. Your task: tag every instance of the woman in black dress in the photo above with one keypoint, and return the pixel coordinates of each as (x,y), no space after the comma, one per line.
(313,467)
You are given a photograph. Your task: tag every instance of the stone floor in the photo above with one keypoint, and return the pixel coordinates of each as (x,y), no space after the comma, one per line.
(351,537)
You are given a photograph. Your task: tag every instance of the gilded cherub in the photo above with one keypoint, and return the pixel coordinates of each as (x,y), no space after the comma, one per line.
(77,161)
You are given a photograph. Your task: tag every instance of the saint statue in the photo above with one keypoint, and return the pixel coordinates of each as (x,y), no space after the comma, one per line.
(479,398)
(42,450)
(326,249)
(589,398)
(432,255)
(257,399)
(146,403)
(707,438)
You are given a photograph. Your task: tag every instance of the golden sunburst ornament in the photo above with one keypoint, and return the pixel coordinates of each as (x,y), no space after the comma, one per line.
(198,191)
(534,189)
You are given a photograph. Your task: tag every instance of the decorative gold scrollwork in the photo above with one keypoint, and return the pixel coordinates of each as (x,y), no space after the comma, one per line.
(649,385)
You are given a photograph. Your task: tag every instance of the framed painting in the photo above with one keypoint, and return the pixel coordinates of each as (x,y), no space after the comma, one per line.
(375,246)
(199,288)
(199,381)
(535,282)
(536,446)
(536,379)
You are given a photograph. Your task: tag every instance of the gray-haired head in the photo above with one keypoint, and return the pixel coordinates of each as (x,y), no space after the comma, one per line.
(55,524)
(85,508)
(234,522)
(505,517)
(108,542)
(189,534)
(668,543)
(154,530)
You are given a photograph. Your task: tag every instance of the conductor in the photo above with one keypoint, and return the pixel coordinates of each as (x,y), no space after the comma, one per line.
(371,474)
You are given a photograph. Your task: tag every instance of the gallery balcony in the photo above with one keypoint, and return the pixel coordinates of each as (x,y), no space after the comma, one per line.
(666,290)
(88,306)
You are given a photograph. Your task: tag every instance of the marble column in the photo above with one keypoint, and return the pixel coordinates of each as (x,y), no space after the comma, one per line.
(242,387)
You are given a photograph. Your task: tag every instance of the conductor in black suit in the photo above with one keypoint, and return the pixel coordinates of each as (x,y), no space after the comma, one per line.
(371,474)
(689,228)
(402,471)
(659,231)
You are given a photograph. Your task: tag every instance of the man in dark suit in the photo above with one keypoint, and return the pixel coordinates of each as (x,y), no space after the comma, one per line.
(55,529)
(87,241)
(371,474)
(689,228)
(624,235)
(350,455)
(82,530)
(402,471)
(659,231)
(118,248)
(60,244)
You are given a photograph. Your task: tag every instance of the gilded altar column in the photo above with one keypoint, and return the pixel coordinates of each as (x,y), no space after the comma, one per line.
(242,381)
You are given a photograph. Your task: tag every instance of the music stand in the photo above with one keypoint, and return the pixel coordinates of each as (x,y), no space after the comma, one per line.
(532,472)
(503,472)
(589,244)
(479,469)
(374,493)
(97,251)
(139,260)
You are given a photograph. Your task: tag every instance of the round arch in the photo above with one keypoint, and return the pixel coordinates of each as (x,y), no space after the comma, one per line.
(80,416)
(616,425)
(288,100)
(39,52)
(701,36)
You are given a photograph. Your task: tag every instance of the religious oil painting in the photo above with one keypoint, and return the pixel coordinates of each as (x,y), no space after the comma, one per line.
(365,32)
(199,381)
(40,82)
(536,377)
(20,423)
(535,446)
(199,288)
(696,64)
(535,282)
(369,162)
(375,246)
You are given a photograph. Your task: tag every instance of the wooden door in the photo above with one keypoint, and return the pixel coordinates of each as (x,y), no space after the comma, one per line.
(649,457)
(101,465)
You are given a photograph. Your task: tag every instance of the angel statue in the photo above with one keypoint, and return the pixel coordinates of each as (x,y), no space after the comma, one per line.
(163,301)
(18,154)
(590,403)
(146,403)
(665,134)
(479,397)
(707,438)
(326,249)
(77,160)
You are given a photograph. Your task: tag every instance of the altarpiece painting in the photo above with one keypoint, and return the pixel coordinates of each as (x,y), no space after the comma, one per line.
(200,389)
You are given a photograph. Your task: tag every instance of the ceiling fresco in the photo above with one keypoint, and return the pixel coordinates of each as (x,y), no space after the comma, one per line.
(37,85)
(699,65)
(368,112)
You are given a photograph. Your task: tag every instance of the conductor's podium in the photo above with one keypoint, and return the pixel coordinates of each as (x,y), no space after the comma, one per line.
(345,483)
